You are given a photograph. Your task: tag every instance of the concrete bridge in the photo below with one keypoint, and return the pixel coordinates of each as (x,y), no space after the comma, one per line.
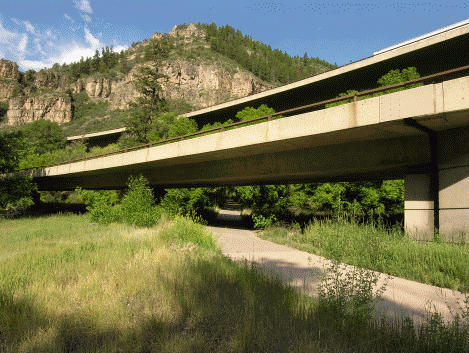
(420,135)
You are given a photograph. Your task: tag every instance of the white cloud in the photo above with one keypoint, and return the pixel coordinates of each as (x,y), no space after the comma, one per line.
(83,5)
(95,43)
(29,27)
(16,21)
(86,18)
(68,18)
(23,44)
(39,47)
(50,34)
(73,54)
(6,35)
(31,64)
(120,48)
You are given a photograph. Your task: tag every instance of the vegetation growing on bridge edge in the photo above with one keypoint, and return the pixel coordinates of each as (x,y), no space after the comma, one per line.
(71,285)
(391,78)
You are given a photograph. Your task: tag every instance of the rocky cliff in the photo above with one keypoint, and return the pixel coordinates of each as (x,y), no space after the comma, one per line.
(24,110)
(9,70)
(9,76)
(201,83)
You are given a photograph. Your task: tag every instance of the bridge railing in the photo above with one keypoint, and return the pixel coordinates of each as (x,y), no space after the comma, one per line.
(309,107)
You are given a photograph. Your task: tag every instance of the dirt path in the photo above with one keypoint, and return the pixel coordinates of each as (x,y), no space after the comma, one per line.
(304,271)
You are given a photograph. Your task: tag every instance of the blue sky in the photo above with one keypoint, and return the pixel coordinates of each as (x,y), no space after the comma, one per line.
(36,34)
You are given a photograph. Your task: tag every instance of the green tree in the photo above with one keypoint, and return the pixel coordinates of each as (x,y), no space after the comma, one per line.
(15,193)
(182,126)
(151,101)
(158,49)
(10,146)
(138,204)
(147,106)
(44,136)
(251,113)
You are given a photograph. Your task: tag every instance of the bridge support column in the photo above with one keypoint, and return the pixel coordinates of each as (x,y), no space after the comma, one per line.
(419,206)
(453,158)
(440,200)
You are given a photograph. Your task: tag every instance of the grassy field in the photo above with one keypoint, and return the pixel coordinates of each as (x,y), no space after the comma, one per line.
(68,285)
(388,251)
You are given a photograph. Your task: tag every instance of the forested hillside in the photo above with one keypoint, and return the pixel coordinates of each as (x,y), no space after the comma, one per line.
(271,65)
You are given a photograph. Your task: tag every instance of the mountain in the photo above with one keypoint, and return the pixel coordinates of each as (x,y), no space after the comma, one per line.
(207,65)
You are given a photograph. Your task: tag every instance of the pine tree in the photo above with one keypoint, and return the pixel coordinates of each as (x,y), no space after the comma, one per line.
(151,102)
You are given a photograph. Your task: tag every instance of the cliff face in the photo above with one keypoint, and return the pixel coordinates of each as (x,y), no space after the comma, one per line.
(199,83)
(96,87)
(206,85)
(24,110)
(9,70)
(9,76)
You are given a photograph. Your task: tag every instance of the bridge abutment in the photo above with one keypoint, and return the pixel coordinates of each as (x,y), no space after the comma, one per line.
(448,209)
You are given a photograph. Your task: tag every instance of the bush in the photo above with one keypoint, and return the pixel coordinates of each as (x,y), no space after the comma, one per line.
(16,195)
(100,205)
(138,205)
(185,231)
(349,293)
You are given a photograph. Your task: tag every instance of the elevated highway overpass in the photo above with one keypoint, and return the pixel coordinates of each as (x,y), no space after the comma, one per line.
(420,135)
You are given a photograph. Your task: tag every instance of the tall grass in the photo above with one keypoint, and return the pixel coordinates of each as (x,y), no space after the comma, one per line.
(82,287)
(381,249)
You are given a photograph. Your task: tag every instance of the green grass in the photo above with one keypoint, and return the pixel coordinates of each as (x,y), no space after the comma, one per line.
(69,285)
(379,249)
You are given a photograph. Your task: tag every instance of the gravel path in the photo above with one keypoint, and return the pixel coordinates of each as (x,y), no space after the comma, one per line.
(303,271)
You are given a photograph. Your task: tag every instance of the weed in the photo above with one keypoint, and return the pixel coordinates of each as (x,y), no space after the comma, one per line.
(349,292)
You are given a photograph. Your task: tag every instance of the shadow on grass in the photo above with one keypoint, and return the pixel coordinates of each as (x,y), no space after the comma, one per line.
(223,307)
(49,208)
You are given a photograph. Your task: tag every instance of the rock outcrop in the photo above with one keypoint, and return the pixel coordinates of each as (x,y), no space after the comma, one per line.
(9,76)
(9,70)
(187,33)
(203,85)
(24,110)
(96,87)
(7,88)
(51,80)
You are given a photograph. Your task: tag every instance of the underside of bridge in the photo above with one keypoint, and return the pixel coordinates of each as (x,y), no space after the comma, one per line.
(436,185)
(420,135)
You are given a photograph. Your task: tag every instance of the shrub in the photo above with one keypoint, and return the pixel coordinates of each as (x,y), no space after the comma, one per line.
(16,195)
(100,205)
(349,293)
(138,205)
